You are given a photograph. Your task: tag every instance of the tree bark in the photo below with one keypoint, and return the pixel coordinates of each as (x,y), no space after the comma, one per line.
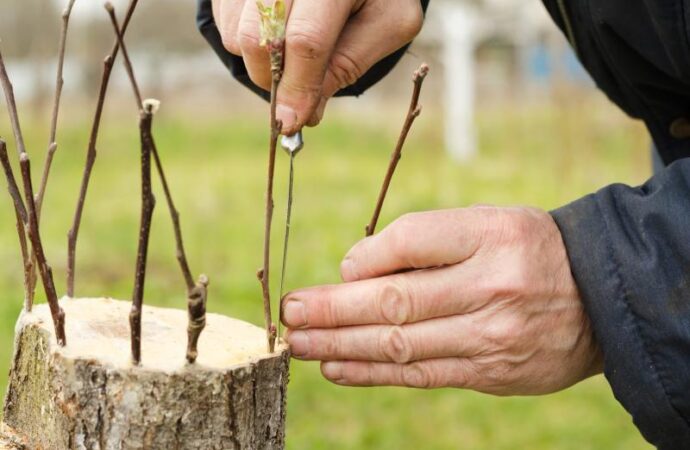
(88,395)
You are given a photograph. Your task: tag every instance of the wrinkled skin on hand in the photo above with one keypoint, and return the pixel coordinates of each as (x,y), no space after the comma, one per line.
(329,46)
(480,298)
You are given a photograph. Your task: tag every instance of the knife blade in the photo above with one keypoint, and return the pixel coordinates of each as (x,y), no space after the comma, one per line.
(292,145)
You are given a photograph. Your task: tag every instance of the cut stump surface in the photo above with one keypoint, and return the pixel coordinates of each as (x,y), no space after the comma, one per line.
(89,396)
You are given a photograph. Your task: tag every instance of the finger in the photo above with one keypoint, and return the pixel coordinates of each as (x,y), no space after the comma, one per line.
(429,374)
(438,338)
(228,17)
(256,58)
(388,25)
(417,241)
(354,55)
(311,35)
(392,300)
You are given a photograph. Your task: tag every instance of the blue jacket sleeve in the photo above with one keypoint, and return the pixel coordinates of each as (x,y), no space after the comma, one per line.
(629,250)
(235,64)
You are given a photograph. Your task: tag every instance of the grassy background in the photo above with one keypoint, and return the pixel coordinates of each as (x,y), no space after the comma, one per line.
(544,156)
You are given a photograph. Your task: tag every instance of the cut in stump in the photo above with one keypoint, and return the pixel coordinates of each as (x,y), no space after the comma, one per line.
(88,395)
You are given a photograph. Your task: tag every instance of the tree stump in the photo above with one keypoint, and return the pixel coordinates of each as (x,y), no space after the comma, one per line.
(88,395)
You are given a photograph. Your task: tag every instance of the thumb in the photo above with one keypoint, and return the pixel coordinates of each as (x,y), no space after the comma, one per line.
(417,241)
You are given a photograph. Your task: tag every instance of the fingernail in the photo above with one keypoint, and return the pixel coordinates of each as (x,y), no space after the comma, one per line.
(299,343)
(333,370)
(286,115)
(347,269)
(294,314)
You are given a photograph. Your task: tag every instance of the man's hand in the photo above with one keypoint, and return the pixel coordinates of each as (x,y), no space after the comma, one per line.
(479,298)
(329,46)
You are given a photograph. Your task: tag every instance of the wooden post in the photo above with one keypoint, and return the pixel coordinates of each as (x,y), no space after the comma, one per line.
(88,395)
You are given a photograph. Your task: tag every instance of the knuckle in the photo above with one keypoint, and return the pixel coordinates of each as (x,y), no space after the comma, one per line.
(499,373)
(505,334)
(395,345)
(248,40)
(305,40)
(515,282)
(417,375)
(399,233)
(330,347)
(395,302)
(345,69)
(230,42)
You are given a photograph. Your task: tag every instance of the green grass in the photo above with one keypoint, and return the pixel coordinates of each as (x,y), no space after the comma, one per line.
(544,157)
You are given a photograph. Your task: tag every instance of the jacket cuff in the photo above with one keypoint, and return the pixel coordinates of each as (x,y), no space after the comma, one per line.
(628,365)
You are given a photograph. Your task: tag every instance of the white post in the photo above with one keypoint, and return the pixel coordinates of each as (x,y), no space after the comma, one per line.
(458,21)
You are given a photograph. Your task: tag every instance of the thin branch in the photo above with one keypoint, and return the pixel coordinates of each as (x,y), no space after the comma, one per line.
(29,273)
(197,294)
(148,203)
(272,33)
(21,219)
(28,217)
(174,214)
(125,54)
(59,83)
(91,155)
(412,114)
(181,255)
(46,272)
(276,127)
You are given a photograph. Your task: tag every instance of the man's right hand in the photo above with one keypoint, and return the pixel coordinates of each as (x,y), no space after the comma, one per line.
(330,44)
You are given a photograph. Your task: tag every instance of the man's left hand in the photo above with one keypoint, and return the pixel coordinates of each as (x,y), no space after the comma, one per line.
(480,298)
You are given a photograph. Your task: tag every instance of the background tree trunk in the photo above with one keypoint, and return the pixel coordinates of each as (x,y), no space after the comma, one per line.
(89,396)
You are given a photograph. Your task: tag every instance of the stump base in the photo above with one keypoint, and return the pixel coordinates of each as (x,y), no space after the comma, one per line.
(88,395)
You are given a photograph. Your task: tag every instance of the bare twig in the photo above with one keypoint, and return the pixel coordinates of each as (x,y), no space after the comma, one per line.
(412,114)
(28,214)
(148,203)
(197,294)
(272,30)
(91,154)
(43,267)
(29,273)
(264,273)
(125,54)
(52,144)
(21,219)
(59,83)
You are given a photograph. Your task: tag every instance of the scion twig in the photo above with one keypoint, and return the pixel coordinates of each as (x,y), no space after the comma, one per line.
(21,219)
(148,203)
(46,272)
(412,114)
(52,143)
(91,154)
(27,259)
(27,215)
(59,83)
(197,294)
(273,38)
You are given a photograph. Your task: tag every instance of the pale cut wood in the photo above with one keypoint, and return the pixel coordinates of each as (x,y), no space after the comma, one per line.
(89,396)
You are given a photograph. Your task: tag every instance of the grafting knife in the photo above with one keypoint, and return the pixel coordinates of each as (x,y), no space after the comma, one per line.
(292,145)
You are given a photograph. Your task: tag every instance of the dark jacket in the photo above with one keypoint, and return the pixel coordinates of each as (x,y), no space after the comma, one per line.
(627,245)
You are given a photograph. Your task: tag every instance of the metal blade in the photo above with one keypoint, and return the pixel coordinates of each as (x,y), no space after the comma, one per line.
(292,144)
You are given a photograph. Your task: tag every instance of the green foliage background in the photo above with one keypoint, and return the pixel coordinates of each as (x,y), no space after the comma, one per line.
(544,156)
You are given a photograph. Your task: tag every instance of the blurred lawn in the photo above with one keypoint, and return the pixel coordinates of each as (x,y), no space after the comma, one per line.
(543,156)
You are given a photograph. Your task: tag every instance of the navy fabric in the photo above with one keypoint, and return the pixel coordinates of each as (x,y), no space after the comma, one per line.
(629,247)
(235,64)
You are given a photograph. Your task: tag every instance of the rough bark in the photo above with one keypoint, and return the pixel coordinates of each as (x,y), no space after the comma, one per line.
(88,396)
